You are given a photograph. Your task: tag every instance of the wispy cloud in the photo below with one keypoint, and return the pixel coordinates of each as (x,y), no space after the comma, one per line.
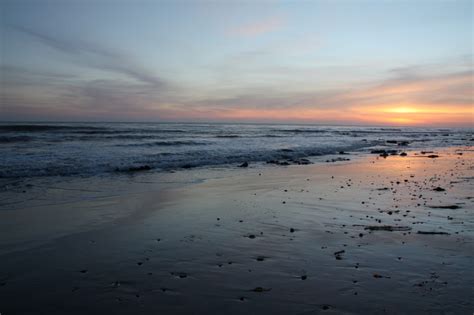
(259,27)
(415,96)
(95,56)
(419,94)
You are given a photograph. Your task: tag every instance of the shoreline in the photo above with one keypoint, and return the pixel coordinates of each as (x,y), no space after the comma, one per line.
(290,240)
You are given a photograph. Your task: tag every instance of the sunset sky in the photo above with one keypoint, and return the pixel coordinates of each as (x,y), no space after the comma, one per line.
(325,62)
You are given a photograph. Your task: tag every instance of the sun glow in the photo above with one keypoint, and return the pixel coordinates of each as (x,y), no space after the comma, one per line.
(422,109)
(403,110)
(415,114)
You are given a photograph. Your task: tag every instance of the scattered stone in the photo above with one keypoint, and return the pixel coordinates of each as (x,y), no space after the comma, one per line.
(260,289)
(302,162)
(390,228)
(453,207)
(439,189)
(384,153)
(432,233)
(337,160)
(181,275)
(338,254)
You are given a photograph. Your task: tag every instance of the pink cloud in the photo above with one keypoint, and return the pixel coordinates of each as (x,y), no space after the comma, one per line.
(258,28)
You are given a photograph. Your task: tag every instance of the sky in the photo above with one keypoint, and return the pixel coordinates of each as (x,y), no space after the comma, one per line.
(350,62)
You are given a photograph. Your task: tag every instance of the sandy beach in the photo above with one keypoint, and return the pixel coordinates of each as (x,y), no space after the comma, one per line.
(236,157)
(371,235)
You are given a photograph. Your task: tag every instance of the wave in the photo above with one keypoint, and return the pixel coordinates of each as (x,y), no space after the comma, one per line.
(110,137)
(227,136)
(84,129)
(128,131)
(88,149)
(390,129)
(169,160)
(301,130)
(273,136)
(201,158)
(42,128)
(165,143)
(12,139)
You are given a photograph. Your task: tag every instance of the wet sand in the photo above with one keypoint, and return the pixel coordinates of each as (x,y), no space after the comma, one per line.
(371,235)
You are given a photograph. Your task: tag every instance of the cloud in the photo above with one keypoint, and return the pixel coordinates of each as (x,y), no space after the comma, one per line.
(419,95)
(34,94)
(423,98)
(95,56)
(258,28)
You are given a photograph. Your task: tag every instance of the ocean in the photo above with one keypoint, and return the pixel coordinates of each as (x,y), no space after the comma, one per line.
(92,149)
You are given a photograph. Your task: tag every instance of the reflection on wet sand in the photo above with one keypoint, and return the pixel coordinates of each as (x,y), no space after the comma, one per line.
(368,236)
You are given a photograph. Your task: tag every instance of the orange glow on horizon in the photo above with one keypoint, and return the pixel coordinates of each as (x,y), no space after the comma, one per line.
(402,110)
(409,114)
(442,101)
(423,109)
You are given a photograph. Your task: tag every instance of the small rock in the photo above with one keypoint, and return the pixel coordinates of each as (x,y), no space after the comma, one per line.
(432,233)
(452,207)
(260,289)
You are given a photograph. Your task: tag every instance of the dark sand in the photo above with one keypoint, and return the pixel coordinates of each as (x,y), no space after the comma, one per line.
(366,236)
